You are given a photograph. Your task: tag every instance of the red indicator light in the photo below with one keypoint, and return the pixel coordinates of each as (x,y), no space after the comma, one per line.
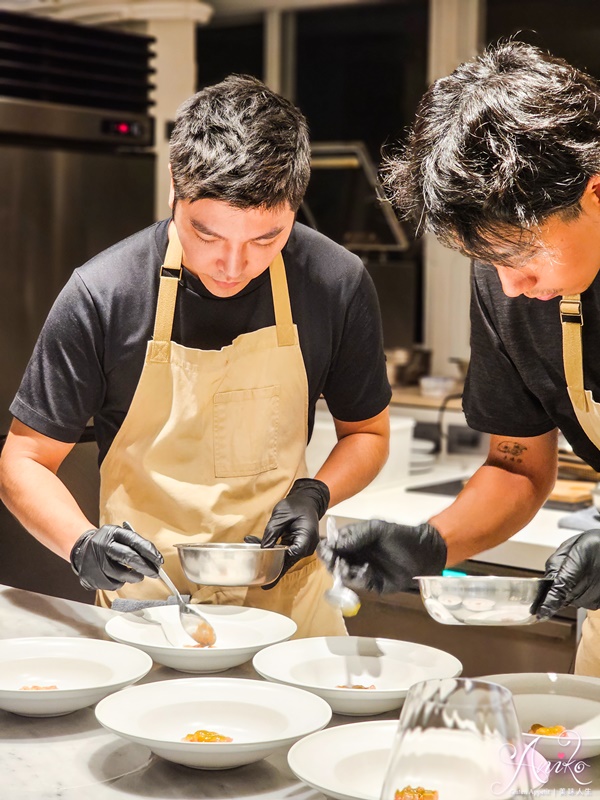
(122,127)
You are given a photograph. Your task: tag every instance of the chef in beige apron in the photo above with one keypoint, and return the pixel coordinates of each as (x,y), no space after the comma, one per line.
(587,412)
(212,441)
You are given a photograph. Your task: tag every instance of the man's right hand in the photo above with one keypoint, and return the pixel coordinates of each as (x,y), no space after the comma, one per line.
(384,557)
(108,557)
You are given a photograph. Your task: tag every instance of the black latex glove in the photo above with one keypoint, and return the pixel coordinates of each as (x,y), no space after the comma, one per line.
(575,572)
(384,557)
(295,522)
(108,557)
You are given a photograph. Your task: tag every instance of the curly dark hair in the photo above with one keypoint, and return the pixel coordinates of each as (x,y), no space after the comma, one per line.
(508,139)
(242,143)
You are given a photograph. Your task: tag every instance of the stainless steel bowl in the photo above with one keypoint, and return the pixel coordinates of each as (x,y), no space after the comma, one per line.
(482,600)
(236,564)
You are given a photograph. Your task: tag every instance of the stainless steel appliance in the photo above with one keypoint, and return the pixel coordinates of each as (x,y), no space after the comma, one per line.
(77,176)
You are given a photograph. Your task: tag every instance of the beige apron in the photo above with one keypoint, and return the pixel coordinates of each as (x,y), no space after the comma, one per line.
(212,441)
(587,412)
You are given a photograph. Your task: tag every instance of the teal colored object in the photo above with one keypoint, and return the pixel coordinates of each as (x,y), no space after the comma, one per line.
(453,573)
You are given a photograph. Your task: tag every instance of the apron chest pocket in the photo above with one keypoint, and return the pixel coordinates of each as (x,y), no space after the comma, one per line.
(246,427)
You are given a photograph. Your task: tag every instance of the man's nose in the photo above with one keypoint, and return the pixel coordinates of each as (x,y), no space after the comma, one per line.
(233,263)
(514,282)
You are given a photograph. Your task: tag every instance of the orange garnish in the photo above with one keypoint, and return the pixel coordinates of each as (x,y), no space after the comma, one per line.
(540,730)
(355,686)
(31,688)
(206,736)
(408,793)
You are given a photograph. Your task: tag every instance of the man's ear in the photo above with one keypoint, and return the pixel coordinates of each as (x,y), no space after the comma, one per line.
(171,190)
(592,190)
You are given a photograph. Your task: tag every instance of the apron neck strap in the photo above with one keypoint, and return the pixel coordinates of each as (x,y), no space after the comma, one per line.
(571,318)
(167,296)
(286,334)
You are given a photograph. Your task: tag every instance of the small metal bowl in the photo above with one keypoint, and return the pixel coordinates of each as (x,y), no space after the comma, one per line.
(482,600)
(231,564)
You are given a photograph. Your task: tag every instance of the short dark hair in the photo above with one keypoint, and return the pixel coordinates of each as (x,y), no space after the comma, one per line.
(508,139)
(242,143)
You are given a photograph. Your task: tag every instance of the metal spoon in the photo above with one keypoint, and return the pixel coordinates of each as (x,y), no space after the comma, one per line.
(192,621)
(339,595)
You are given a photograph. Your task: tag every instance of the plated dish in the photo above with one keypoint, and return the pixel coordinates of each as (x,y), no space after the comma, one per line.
(241,632)
(356,759)
(257,716)
(51,676)
(571,701)
(357,675)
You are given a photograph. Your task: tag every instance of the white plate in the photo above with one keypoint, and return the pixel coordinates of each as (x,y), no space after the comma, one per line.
(241,632)
(422,446)
(347,762)
(83,670)
(548,699)
(321,664)
(259,716)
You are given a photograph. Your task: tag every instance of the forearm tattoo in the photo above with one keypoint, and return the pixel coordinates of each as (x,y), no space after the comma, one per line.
(512,451)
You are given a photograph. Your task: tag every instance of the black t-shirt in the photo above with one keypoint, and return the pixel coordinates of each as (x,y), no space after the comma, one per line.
(89,356)
(516,384)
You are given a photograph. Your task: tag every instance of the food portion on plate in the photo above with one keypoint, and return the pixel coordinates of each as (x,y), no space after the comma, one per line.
(354,686)
(408,793)
(541,730)
(206,736)
(36,688)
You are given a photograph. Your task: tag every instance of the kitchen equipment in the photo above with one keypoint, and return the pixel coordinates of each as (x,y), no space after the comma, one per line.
(192,621)
(339,595)
(77,176)
(82,671)
(548,698)
(242,633)
(324,439)
(171,629)
(459,738)
(323,665)
(258,716)
(355,762)
(231,564)
(482,600)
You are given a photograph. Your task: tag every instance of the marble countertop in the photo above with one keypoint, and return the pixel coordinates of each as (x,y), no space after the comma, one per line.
(74,757)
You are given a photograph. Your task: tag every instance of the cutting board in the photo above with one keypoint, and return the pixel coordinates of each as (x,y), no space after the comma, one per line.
(572,491)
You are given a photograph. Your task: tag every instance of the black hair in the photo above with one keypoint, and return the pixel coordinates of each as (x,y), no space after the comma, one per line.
(508,139)
(242,143)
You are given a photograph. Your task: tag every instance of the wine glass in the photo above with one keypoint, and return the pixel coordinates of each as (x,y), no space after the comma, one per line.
(457,739)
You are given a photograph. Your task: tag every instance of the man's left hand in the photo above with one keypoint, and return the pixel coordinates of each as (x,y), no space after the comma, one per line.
(295,522)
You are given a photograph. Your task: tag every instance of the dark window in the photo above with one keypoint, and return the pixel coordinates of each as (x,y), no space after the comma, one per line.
(570,30)
(220,51)
(361,70)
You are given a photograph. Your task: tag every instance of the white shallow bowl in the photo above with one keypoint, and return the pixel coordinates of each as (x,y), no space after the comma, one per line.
(321,664)
(259,716)
(84,670)
(241,632)
(347,762)
(548,699)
